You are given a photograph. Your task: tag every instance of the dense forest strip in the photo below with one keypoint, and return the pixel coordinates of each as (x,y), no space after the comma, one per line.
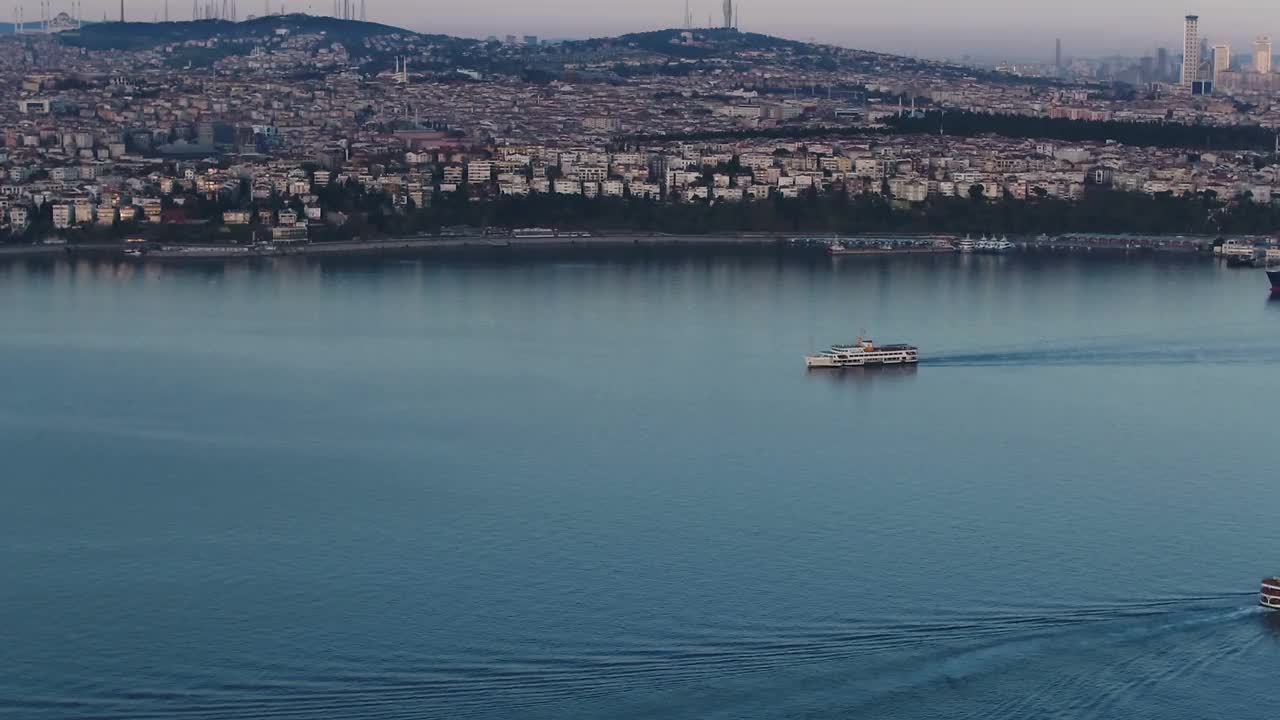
(371,215)
(968,124)
(1099,210)
(1144,134)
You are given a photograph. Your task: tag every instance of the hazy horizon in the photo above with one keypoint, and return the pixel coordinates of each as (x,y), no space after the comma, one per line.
(983,28)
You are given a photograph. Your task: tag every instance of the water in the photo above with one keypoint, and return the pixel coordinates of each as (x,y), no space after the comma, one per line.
(604,486)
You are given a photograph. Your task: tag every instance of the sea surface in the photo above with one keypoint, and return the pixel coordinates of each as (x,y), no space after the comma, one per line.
(604,486)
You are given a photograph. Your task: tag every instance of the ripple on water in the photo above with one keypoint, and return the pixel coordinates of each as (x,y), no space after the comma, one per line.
(1107,654)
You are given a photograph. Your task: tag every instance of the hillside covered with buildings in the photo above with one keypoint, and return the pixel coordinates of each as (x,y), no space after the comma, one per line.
(297,128)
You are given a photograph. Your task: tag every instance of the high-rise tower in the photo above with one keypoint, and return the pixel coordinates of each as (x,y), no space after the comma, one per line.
(1191,51)
(728,14)
(1221,60)
(1057,56)
(1262,55)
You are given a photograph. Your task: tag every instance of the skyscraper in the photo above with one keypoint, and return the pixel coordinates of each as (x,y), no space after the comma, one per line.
(728,14)
(1162,64)
(1262,55)
(1057,56)
(1190,51)
(1221,60)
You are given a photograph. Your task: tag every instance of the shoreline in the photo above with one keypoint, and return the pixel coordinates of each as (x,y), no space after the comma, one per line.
(472,244)
(443,244)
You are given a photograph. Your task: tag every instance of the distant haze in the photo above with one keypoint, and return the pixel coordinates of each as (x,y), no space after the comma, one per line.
(987,28)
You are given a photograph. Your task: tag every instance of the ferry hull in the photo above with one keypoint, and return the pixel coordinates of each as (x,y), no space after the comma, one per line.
(1274,277)
(866,364)
(1269,596)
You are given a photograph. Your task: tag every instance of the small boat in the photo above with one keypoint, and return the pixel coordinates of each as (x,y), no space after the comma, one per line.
(1270,597)
(1274,276)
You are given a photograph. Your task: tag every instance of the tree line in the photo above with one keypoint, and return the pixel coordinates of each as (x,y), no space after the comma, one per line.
(1198,137)
(369,215)
(1098,210)
(1138,134)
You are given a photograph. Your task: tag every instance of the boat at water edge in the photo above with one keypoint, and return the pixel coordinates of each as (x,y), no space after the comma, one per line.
(1274,277)
(1270,595)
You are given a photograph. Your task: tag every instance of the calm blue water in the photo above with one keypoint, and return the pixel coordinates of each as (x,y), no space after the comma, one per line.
(606,487)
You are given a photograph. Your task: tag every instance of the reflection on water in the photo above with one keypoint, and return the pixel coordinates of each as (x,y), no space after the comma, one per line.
(600,487)
(864,375)
(1271,621)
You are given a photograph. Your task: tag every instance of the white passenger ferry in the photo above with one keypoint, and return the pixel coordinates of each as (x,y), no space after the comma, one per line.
(545,233)
(863,352)
(992,245)
(533,233)
(1270,597)
(1235,248)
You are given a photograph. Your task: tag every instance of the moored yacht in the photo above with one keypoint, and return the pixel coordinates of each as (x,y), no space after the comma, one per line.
(966,245)
(863,352)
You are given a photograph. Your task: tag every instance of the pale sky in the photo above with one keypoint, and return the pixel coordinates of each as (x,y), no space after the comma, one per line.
(1025,28)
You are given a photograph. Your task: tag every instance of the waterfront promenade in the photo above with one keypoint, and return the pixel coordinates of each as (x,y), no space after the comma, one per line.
(877,245)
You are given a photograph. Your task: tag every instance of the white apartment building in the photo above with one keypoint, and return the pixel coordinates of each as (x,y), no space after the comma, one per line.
(63,216)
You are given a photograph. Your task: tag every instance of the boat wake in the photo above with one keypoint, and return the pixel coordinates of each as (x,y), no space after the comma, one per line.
(1082,662)
(1141,355)
(1094,669)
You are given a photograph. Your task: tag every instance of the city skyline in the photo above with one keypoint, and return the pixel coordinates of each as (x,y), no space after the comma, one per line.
(991,29)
